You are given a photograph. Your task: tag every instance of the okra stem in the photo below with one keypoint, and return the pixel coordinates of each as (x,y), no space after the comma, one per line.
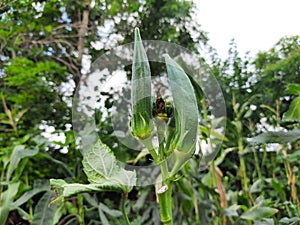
(165,201)
(148,144)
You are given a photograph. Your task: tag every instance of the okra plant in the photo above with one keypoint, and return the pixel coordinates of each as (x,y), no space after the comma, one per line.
(177,143)
(175,124)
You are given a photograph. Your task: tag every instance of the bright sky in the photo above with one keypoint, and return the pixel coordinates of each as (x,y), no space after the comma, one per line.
(255,25)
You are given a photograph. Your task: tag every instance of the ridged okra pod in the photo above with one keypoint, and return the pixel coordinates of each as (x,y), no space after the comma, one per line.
(142,123)
(183,145)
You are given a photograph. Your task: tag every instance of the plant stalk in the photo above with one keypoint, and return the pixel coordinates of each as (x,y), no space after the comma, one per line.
(165,201)
(123,208)
(148,144)
(242,162)
(80,209)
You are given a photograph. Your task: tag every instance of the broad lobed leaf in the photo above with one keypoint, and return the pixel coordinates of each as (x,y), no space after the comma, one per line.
(101,167)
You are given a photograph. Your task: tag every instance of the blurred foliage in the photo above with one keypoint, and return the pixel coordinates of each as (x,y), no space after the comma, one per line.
(277,68)
(248,183)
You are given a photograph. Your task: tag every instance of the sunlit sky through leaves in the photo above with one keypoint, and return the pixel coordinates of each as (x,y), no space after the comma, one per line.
(255,25)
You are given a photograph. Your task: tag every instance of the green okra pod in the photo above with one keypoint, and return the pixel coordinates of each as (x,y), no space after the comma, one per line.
(183,144)
(141,122)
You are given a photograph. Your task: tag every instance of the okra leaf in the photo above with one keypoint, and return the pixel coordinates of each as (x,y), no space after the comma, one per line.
(64,190)
(103,171)
(101,167)
(142,123)
(186,114)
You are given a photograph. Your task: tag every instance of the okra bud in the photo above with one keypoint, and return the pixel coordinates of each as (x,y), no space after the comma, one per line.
(141,122)
(186,115)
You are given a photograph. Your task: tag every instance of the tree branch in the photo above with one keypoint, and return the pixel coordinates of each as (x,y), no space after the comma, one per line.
(83,29)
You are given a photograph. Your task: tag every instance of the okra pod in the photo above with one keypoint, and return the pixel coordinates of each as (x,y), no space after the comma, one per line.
(184,141)
(142,123)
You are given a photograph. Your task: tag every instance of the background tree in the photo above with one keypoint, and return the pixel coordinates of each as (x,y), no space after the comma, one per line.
(45,48)
(276,68)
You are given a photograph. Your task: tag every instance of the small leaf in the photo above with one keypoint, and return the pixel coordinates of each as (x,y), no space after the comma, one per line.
(19,152)
(223,155)
(140,202)
(44,212)
(293,114)
(292,220)
(258,213)
(278,187)
(264,222)
(232,210)
(293,89)
(276,137)
(103,218)
(38,188)
(209,131)
(142,154)
(60,211)
(111,212)
(256,186)
(6,199)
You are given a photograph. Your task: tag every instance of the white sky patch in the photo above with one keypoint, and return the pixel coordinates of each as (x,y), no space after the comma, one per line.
(50,134)
(86,63)
(90,93)
(255,25)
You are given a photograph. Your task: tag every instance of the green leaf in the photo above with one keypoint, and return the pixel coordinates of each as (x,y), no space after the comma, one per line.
(103,218)
(209,131)
(276,137)
(6,199)
(101,167)
(111,212)
(223,155)
(48,28)
(292,220)
(44,212)
(186,115)
(256,186)
(258,213)
(65,190)
(294,157)
(60,211)
(278,187)
(293,114)
(140,202)
(264,222)
(232,210)
(19,152)
(38,188)
(293,89)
